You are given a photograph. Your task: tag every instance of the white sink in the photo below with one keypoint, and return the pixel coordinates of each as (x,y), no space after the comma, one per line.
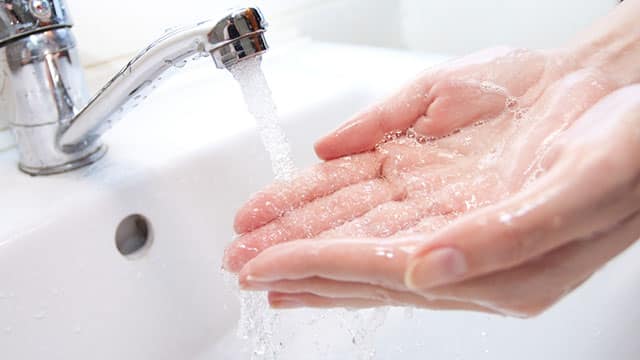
(186,160)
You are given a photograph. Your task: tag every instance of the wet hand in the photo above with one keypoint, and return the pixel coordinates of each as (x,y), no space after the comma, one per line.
(504,216)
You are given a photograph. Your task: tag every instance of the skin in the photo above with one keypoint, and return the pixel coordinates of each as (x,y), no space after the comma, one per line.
(498,182)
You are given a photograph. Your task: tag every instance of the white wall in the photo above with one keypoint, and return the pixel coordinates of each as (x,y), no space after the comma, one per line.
(457,27)
(116,28)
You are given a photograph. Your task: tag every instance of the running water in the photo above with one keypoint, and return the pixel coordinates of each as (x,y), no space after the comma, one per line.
(258,324)
(257,95)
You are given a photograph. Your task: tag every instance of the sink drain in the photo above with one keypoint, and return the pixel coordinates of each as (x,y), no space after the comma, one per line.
(134,236)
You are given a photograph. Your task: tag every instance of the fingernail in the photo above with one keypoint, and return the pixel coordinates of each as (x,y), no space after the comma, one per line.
(346,127)
(437,267)
(285,303)
(252,282)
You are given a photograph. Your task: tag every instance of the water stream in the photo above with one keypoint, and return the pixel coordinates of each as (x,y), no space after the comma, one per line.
(262,327)
(259,99)
(257,322)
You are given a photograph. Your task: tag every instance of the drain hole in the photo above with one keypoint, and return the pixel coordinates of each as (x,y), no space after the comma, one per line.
(133,236)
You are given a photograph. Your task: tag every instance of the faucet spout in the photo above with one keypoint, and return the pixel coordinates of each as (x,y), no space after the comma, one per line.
(237,36)
(57,129)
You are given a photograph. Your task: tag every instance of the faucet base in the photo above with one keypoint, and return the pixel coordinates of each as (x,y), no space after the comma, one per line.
(72,165)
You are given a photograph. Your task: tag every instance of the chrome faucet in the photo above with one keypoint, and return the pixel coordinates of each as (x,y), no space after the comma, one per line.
(57,127)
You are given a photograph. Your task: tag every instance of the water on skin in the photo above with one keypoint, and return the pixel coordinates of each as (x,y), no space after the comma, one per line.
(258,324)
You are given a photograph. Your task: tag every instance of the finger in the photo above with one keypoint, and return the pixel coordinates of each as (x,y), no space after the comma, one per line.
(383,221)
(533,287)
(337,290)
(457,91)
(366,129)
(293,301)
(569,202)
(324,213)
(457,104)
(318,181)
(373,261)
(281,300)
(433,107)
(429,197)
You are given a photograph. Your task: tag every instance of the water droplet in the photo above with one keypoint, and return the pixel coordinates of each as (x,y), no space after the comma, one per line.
(506,218)
(384,252)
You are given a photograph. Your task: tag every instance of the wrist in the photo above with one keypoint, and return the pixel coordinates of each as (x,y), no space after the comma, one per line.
(613,44)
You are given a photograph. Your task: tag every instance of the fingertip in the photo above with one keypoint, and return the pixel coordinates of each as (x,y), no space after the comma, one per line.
(323,150)
(246,281)
(228,265)
(245,219)
(284,301)
(354,138)
(240,225)
(237,255)
(262,208)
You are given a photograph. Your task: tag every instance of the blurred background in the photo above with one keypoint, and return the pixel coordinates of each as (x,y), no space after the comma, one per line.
(110,29)
(110,32)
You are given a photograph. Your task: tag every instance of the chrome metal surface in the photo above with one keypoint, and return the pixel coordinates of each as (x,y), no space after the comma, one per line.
(240,35)
(22,17)
(58,128)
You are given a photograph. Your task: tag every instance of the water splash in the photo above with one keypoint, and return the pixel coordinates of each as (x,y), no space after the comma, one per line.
(257,322)
(362,329)
(260,326)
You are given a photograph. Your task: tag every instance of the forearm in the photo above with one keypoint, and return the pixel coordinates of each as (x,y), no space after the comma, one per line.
(613,44)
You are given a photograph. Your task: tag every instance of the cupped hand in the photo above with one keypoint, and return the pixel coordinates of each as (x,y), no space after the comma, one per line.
(496,183)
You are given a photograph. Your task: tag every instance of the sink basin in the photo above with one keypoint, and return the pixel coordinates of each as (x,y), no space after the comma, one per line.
(184,162)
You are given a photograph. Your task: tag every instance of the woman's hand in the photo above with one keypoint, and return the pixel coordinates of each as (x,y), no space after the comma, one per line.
(506,216)
(442,231)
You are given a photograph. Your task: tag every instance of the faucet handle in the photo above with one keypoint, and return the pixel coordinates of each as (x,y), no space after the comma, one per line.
(24,17)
